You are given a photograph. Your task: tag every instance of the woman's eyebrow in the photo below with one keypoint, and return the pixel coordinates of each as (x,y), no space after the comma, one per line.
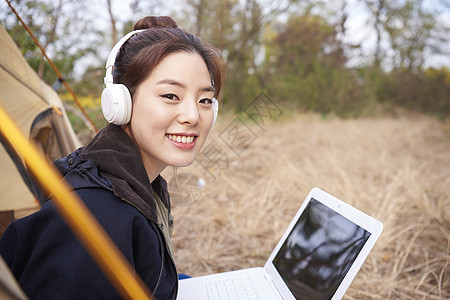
(208,89)
(171,82)
(176,83)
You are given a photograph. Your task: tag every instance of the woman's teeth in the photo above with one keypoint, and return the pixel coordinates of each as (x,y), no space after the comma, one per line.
(181,139)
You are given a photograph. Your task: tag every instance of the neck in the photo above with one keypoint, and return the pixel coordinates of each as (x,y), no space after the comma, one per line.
(152,170)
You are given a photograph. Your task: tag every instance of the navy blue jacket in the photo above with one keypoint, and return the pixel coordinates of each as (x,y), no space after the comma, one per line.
(50,263)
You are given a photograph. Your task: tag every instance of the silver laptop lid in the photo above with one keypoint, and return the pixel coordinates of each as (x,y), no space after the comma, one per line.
(323,248)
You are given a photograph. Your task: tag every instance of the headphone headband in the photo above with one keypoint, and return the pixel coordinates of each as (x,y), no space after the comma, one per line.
(112,56)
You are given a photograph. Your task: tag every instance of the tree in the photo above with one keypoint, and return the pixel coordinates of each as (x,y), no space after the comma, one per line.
(113,21)
(377,8)
(410,28)
(59,26)
(91,82)
(236,29)
(305,67)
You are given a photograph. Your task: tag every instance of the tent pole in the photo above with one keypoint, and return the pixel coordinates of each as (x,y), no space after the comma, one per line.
(60,77)
(77,215)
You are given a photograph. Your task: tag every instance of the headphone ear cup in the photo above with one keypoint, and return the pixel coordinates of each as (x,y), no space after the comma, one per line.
(116,104)
(215,107)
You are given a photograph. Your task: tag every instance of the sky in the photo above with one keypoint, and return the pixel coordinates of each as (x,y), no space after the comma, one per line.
(358,30)
(360,33)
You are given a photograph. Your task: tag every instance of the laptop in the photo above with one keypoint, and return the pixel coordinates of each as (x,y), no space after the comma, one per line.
(317,257)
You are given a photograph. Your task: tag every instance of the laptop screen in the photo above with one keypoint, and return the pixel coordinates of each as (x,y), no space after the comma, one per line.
(319,251)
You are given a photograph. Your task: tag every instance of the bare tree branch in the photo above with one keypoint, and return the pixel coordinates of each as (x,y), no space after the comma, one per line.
(113,23)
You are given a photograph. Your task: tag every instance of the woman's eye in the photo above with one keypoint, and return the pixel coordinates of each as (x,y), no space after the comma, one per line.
(170,96)
(206,101)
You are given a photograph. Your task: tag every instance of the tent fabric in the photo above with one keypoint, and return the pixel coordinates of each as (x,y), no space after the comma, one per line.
(24,96)
(9,287)
(49,132)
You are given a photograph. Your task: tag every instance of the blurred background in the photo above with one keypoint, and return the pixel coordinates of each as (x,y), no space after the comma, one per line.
(349,58)
(352,96)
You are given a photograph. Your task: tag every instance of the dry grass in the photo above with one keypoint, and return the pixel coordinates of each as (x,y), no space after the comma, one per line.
(397,170)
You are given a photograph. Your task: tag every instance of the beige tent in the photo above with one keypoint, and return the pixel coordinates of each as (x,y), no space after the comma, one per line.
(38,112)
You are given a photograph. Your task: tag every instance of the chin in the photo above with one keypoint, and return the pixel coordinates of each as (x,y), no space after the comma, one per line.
(182,163)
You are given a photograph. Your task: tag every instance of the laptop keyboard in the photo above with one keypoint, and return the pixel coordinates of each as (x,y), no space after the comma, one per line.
(239,288)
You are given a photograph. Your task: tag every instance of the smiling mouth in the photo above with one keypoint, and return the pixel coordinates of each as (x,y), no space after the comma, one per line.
(181,139)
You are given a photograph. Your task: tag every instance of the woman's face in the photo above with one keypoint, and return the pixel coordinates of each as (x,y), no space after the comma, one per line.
(172,112)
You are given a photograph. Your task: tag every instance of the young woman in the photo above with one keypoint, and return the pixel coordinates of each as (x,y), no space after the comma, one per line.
(160,98)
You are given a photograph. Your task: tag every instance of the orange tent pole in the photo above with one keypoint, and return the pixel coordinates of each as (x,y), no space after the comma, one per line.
(77,215)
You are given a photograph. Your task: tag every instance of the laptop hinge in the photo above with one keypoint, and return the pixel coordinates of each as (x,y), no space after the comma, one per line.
(272,285)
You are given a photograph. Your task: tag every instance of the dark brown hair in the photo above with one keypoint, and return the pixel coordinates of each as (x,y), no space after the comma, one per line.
(143,51)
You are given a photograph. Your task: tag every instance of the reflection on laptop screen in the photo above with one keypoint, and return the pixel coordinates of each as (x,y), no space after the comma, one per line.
(319,251)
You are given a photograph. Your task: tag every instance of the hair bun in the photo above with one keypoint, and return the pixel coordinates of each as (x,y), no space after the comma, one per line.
(155,22)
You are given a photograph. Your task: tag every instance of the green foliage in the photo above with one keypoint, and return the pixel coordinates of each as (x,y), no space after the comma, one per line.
(91,104)
(62,29)
(293,50)
(436,92)
(409,27)
(305,68)
(427,91)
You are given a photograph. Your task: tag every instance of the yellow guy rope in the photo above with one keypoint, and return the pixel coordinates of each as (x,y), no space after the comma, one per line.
(60,77)
(76,215)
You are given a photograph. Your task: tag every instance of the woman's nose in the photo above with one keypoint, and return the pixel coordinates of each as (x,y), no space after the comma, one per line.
(188,112)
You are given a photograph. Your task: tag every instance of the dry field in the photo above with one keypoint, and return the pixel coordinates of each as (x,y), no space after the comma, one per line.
(397,170)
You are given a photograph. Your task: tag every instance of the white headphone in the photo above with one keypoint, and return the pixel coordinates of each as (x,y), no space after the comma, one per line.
(116,98)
